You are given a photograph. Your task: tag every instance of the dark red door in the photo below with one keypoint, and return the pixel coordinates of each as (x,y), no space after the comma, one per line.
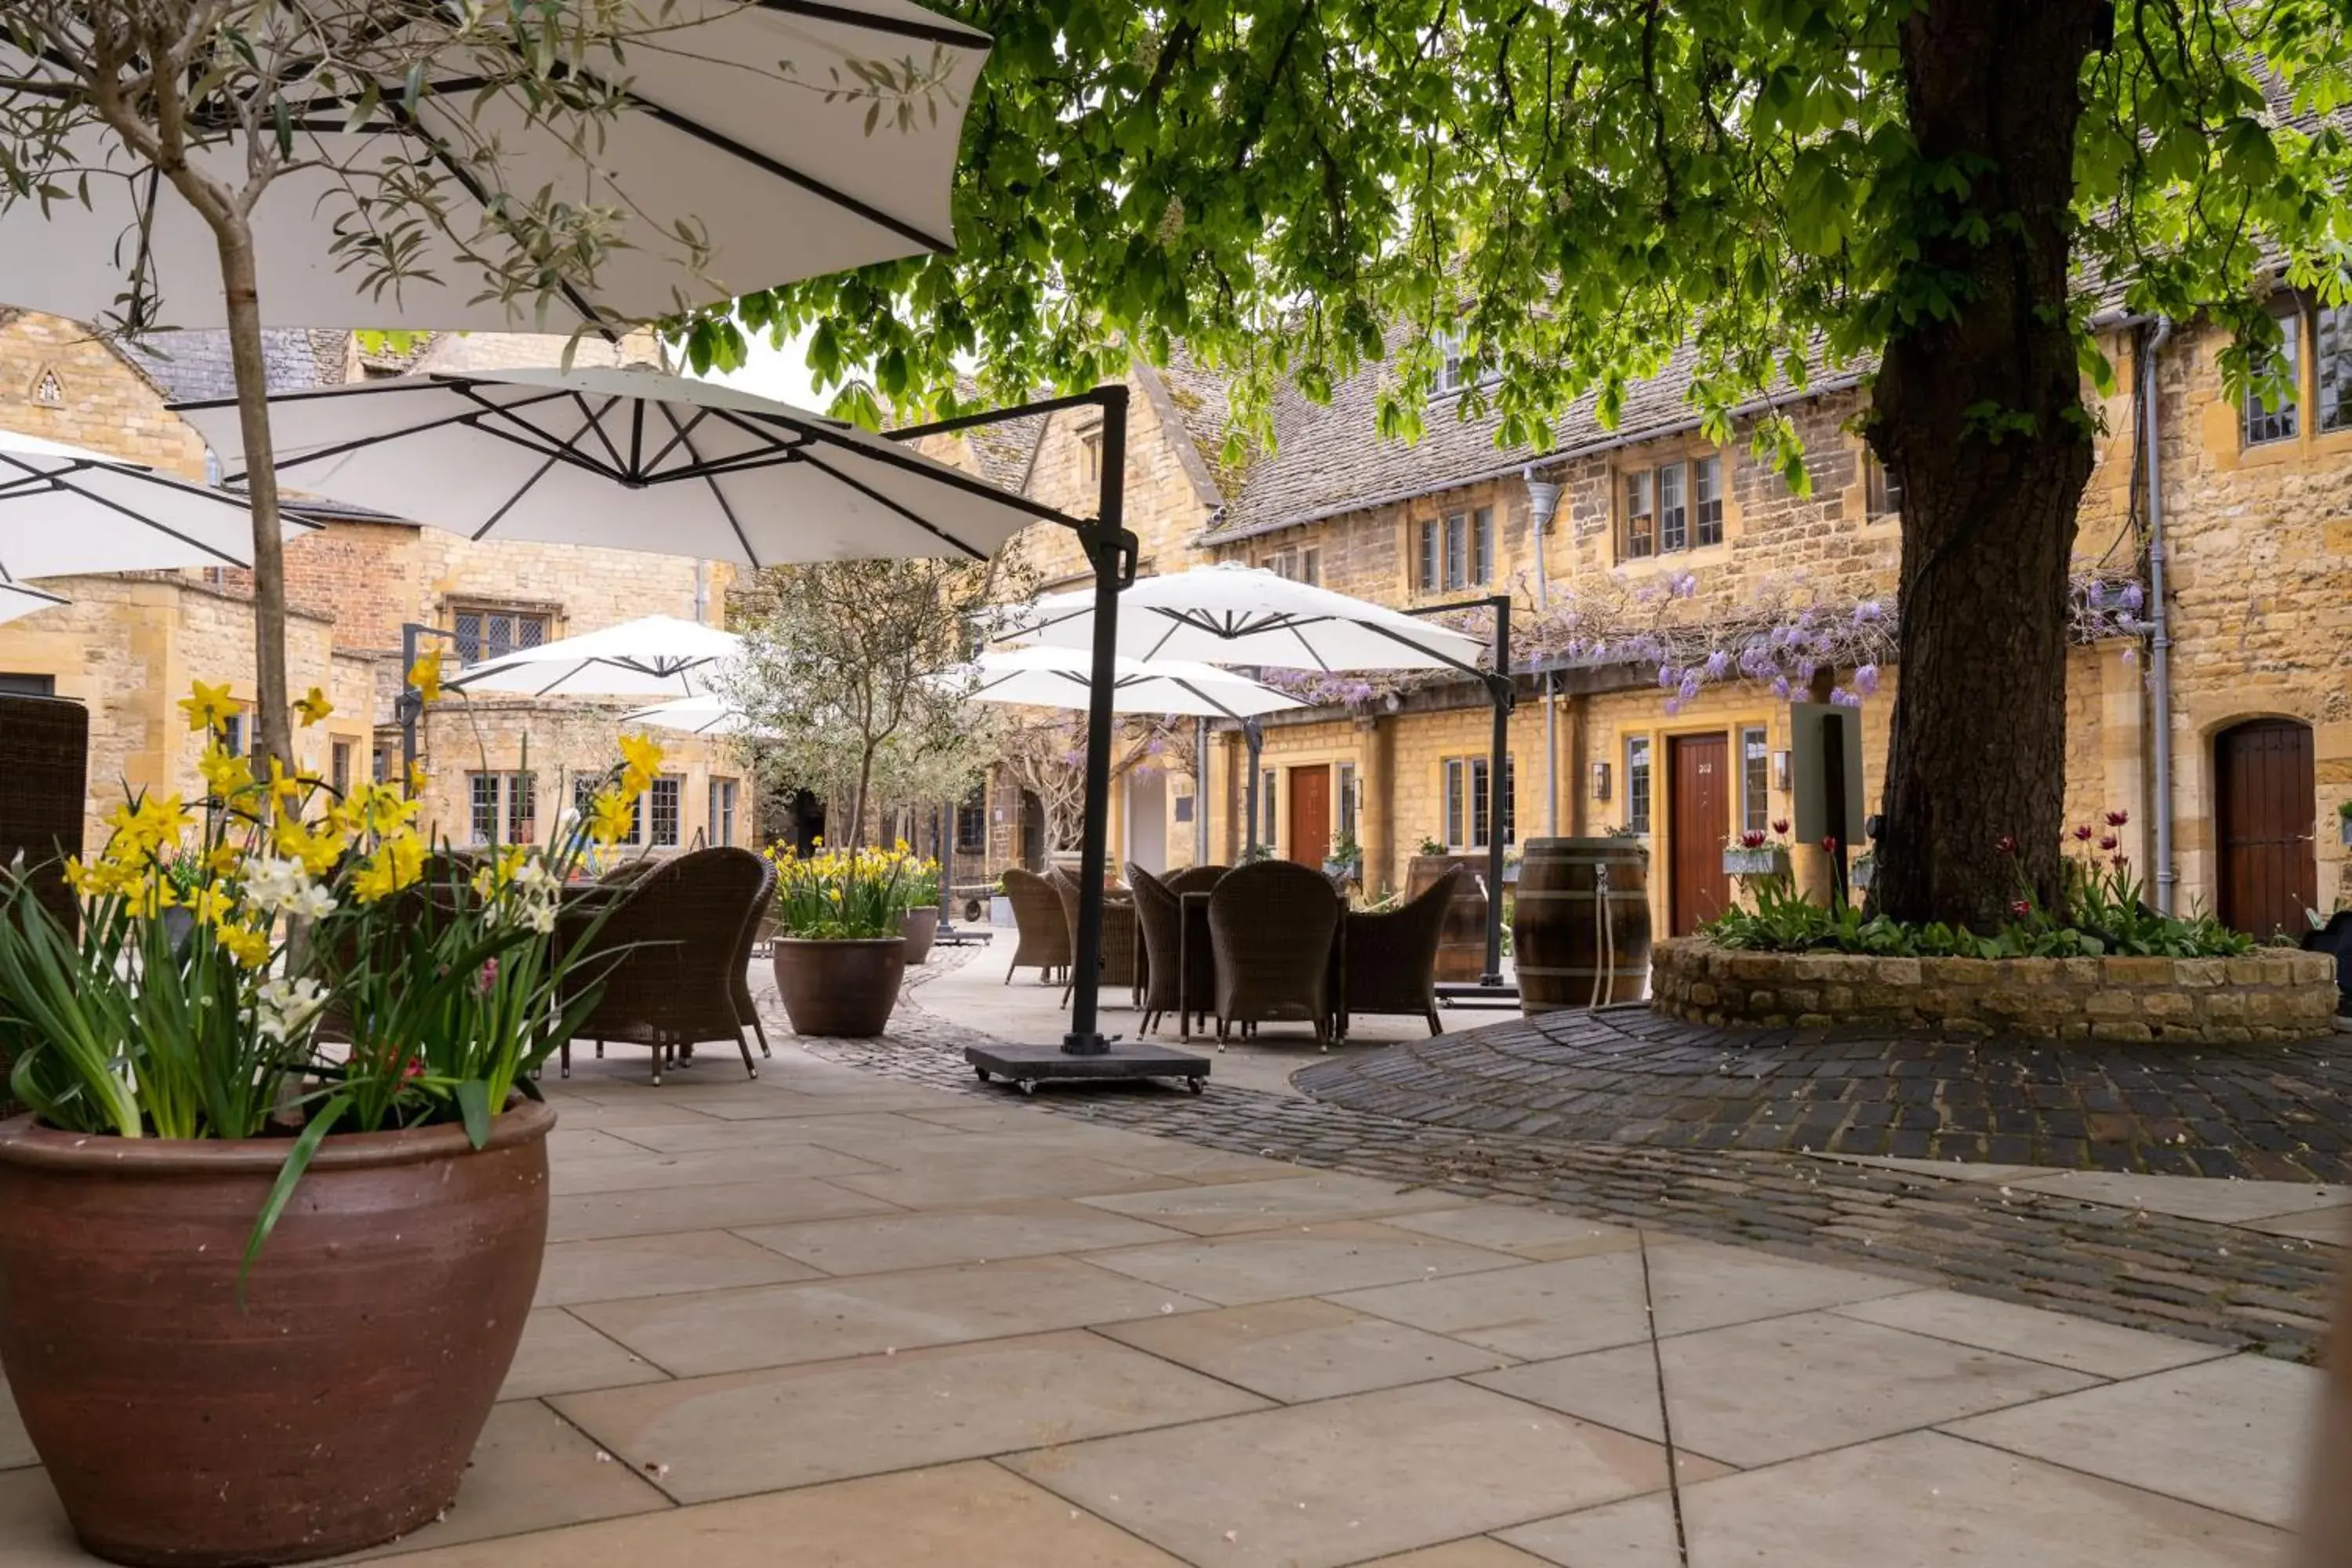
(2265,808)
(1311,815)
(1699,816)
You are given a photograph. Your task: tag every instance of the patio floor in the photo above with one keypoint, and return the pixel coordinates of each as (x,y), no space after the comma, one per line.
(842,1321)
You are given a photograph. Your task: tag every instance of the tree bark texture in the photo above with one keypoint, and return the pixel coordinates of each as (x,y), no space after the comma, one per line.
(272,722)
(1979,414)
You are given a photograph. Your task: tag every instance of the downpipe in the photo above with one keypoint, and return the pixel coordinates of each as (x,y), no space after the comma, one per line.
(2159,616)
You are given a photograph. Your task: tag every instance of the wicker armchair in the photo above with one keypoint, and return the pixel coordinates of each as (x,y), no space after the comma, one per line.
(1272,927)
(763,911)
(670,954)
(1392,956)
(1179,972)
(1037,917)
(1121,940)
(1196,878)
(47,743)
(627,871)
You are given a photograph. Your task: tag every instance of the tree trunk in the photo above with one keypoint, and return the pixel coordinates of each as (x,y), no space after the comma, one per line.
(857,802)
(272,722)
(1979,414)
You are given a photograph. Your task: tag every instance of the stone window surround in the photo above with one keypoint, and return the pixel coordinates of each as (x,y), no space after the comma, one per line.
(2225,439)
(1482,544)
(454,604)
(1648,459)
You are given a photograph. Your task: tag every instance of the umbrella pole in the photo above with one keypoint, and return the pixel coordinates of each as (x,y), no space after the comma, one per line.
(1498,689)
(1256,739)
(1111,549)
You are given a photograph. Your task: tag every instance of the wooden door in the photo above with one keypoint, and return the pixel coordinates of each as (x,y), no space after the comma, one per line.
(2264,805)
(1699,816)
(1311,815)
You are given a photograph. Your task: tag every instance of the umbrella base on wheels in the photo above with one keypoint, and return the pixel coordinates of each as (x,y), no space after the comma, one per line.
(1026,1067)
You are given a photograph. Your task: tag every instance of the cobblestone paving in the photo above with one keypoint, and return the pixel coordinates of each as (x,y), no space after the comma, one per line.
(1625,1075)
(2205,1281)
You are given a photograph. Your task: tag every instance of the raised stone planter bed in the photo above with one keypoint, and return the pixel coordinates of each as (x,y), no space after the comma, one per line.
(2274,994)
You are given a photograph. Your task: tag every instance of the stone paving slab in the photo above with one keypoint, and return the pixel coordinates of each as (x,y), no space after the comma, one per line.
(2225,1285)
(1625,1075)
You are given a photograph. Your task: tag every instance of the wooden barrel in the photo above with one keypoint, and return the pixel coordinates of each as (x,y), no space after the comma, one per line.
(1580,924)
(1461,944)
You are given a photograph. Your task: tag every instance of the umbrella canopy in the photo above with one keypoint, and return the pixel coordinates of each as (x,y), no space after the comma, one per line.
(629,459)
(17,600)
(1230,614)
(64,511)
(703,715)
(727,132)
(655,655)
(1061,677)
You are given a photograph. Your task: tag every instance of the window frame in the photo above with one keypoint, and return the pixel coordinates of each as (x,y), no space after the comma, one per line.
(2337,417)
(1640,514)
(1455,809)
(1706,501)
(339,767)
(1755,778)
(1674,507)
(973,810)
(1882,489)
(725,797)
(1457,551)
(650,818)
(1269,820)
(28,683)
(2285,422)
(512,805)
(1343,786)
(484,641)
(1640,781)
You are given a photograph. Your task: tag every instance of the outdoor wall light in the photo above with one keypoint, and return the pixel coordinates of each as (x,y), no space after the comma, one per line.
(1600,781)
(1781,770)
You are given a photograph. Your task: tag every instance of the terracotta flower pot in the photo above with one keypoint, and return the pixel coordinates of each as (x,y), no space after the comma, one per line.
(921,926)
(842,989)
(335,1409)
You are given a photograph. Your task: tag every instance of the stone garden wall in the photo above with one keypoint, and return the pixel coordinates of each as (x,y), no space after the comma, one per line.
(2273,994)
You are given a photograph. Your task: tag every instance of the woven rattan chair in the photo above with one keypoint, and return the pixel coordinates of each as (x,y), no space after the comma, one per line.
(627,871)
(46,741)
(1196,878)
(1120,940)
(1037,917)
(669,954)
(1175,970)
(763,912)
(1392,956)
(1272,926)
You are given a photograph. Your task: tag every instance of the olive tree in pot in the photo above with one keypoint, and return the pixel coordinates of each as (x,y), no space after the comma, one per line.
(840,952)
(256,1299)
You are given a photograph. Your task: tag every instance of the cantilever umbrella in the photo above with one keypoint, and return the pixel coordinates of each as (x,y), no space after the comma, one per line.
(748,124)
(630,460)
(1230,614)
(705,715)
(1061,677)
(65,511)
(654,656)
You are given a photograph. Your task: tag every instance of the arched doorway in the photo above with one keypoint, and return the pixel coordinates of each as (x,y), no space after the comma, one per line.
(2263,812)
(1032,831)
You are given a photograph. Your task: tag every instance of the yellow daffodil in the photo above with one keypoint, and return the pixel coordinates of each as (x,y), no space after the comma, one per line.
(416,779)
(226,774)
(313,707)
(209,707)
(250,948)
(612,817)
(150,897)
(288,791)
(398,862)
(642,758)
(100,878)
(317,847)
(226,859)
(209,905)
(425,675)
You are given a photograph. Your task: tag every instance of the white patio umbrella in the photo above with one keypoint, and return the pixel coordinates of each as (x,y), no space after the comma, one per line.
(654,656)
(727,127)
(1230,614)
(65,510)
(702,715)
(629,459)
(17,601)
(1060,677)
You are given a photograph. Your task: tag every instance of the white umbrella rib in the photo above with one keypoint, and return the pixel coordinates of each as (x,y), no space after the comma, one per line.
(681,436)
(59,481)
(870,493)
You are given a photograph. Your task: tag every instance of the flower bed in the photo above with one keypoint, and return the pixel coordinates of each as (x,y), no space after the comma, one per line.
(2273,993)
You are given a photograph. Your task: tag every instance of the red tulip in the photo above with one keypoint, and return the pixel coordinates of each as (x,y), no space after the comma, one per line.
(2006,845)
(2117,818)
(2020,908)
(2107,841)
(2082,832)
(1780,826)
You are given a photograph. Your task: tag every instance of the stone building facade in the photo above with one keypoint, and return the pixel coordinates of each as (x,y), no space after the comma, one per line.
(2258,525)
(129,646)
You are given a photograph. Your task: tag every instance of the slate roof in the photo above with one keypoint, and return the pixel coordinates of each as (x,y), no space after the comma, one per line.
(195,366)
(1329,459)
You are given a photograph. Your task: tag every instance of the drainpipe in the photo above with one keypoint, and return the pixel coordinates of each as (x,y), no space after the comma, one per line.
(2159,618)
(701,591)
(1543,503)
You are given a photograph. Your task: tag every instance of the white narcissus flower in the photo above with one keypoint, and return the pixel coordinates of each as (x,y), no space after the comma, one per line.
(283,1007)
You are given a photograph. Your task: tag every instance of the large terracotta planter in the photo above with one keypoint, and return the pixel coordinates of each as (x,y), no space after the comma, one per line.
(842,989)
(339,1406)
(919,927)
